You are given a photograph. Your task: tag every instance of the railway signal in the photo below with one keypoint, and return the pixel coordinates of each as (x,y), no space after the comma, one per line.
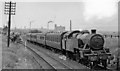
(9,10)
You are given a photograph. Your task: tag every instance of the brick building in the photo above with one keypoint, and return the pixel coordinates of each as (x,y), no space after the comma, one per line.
(59,28)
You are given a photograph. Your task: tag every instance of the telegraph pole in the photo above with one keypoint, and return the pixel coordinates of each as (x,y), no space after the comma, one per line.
(9,10)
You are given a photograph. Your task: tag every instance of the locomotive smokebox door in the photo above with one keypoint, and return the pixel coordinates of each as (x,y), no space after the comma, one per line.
(93,31)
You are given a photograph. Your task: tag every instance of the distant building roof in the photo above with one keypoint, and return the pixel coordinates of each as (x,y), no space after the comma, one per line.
(59,28)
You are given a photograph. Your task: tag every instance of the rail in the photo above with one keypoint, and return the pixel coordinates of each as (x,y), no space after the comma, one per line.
(52,62)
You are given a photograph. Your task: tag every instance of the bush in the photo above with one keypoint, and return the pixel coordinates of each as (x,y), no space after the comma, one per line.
(35,31)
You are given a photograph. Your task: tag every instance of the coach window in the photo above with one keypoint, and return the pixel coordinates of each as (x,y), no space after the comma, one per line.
(53,38)
(37,37)
(34,36)
(41,37)
(48,37)
(58,39)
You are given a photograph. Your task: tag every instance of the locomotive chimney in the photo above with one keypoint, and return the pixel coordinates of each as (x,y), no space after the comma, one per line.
(93,31)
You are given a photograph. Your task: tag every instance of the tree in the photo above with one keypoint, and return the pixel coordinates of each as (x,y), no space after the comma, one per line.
(5,29)
(35,31)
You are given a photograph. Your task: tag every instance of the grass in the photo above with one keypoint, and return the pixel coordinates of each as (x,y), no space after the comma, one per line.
(113,44)
(13,57)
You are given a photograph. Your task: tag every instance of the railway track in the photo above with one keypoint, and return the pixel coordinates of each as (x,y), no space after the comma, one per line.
(95,68)
(69,63)
(48,62)
(60,65)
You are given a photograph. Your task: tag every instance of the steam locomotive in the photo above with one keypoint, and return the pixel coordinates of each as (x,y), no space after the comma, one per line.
(81,46)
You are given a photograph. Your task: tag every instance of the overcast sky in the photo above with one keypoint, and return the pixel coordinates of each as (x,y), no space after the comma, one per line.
(86,14)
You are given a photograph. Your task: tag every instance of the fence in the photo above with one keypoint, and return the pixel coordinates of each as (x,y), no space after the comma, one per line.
(112,36)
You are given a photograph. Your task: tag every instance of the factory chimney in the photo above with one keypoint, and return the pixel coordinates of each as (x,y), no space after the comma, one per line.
(70,25)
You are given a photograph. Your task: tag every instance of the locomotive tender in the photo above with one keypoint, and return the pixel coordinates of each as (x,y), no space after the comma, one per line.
(81,46)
